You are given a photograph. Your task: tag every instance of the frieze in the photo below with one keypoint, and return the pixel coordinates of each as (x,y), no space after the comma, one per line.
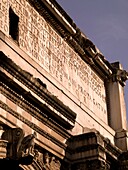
(45,160)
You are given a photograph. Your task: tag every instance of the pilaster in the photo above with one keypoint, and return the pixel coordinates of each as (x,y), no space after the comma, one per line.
(116,105)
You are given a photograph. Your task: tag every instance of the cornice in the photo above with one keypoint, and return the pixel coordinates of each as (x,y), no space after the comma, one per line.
(111,149)
(60,14)
(36,92)
(32,110)
(64,25)
(93,140)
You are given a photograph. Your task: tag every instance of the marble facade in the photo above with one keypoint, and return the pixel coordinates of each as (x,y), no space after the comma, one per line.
(55,83)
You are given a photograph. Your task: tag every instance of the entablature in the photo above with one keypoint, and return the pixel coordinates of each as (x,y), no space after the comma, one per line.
(69,31)
(36,92)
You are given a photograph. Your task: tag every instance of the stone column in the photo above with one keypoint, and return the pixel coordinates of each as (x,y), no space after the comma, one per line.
(116,105)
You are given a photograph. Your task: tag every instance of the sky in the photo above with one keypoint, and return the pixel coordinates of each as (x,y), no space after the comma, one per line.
(105,23)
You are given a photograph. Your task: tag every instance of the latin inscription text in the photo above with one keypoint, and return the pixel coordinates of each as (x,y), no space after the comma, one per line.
(39,40)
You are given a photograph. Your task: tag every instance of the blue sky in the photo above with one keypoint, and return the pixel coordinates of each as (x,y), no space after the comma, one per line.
(105,22)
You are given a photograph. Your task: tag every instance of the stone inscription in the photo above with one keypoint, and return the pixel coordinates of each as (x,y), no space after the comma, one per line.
(39,40)
(4,18)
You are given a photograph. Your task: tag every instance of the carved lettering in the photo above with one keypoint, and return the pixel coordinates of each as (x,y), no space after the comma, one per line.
(4,16)
(39,40)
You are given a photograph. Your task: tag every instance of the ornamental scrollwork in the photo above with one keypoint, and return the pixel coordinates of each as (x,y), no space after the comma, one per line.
(121,76)
(18,145)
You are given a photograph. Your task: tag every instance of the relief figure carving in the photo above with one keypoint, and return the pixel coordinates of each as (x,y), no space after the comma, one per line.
(27,144)
(18,145)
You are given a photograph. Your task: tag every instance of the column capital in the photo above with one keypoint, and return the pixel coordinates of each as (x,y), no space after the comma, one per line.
(119,74)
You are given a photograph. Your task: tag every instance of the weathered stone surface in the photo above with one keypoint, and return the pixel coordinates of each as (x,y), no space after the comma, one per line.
(55,83)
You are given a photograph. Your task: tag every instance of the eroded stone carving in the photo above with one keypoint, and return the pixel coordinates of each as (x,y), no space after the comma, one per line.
(19,145)
(119,74)
(14,137)
(27,145)
(21,149)
(47,161)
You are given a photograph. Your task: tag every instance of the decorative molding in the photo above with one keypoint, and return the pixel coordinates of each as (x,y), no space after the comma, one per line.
(51,103)
(21,150)
(32,125)
(16,148)
(45,161)
(71,34)
(111,149)
(35,112)
(119,75)
(90,146)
